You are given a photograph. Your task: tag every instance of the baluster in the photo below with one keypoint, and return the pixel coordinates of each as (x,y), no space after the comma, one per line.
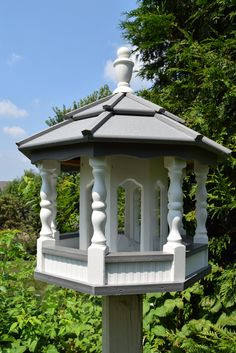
(201,171)
(98,248)
(175,194)
(46,212)
(99,203)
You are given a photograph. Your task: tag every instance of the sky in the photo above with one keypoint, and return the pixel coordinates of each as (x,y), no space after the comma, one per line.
(52,52)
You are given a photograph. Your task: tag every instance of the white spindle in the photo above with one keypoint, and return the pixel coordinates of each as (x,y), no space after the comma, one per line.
(201,171)
(99,201)
(48,207)
(98,248)
(46,212)
(175,194)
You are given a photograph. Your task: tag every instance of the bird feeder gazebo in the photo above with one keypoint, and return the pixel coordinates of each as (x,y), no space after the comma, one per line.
(124,147)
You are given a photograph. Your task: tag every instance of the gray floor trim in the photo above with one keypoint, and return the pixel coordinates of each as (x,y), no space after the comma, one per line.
(69,253)
(68,235)
(192,249)
(122,289)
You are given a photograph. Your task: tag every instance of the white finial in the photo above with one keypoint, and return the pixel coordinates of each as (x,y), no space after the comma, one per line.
(123,68)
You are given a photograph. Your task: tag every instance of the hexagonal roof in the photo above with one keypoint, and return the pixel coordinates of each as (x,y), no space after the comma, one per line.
(122,123)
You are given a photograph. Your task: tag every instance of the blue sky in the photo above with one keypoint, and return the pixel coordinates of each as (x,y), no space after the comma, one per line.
(52,52)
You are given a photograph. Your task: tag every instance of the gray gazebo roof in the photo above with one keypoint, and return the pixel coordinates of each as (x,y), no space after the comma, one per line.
(122,123)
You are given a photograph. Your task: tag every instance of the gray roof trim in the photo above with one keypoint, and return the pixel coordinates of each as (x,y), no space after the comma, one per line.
(131,112)
(104,117)
(87,106)
(154,106)
(43,132)
(180,127)
(113,101)
(88,113)
(212,145)
(172,116)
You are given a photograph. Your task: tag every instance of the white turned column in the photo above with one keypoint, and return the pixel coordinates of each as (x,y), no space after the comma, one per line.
(46,212)
(47,204)
(175,168)
(201,171)
(98,247)
(174,246)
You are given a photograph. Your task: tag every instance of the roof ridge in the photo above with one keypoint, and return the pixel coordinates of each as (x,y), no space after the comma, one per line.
(90,132)
(155,106)
(117,97)
(86,106)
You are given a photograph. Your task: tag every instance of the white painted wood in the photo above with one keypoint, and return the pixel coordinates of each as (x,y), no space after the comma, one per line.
(147,215)
(201,172)
(86,184)
(68,268)
(130,241)
(138,273)
(160,209)
(122,324)
(129,187)
(47,204)
(123,67)
(175,194)
(98,247)
(174,246)
(129,172)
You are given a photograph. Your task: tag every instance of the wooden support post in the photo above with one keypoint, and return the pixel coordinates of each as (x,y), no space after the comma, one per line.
(122,324)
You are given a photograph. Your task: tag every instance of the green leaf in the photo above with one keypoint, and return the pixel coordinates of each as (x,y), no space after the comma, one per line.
(160,330)
(51,349)
(13,326)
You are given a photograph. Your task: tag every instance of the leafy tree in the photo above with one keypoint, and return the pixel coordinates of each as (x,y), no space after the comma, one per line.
(60,113)
(188,50)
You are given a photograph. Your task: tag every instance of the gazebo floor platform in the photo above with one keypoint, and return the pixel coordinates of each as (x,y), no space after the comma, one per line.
(122,289)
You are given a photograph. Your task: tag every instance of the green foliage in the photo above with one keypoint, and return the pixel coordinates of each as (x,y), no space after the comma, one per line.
(19,204)
(188,50)
(39,318)
(200,319)
(68,190)
(60,113)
